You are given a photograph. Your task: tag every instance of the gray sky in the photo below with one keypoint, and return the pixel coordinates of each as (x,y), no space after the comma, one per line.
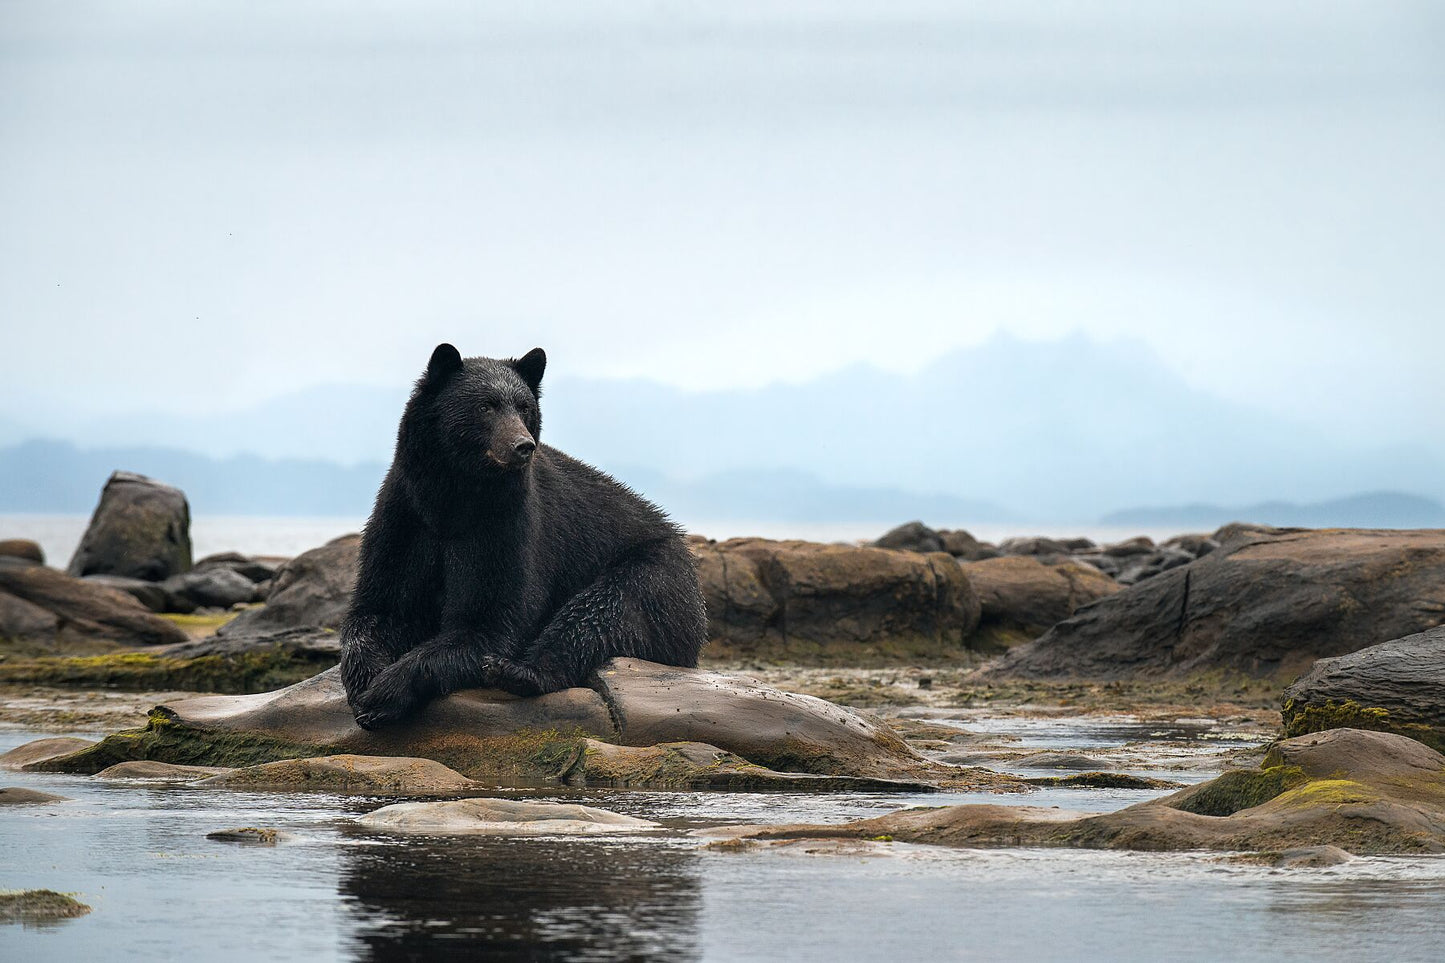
(202,206)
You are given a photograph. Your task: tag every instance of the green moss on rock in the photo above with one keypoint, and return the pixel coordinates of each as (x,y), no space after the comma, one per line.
(39,906)
(1301,719)
(260,670)
(1239,789)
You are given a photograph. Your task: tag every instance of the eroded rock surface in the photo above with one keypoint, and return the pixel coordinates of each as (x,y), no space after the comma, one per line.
(1024,595)
(820,603)
(368,775)
(1364,792)
(1396,686)
(643,724)
(48,608)
(1267,602)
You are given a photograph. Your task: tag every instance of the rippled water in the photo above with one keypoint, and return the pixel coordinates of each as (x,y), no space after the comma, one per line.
(160,890)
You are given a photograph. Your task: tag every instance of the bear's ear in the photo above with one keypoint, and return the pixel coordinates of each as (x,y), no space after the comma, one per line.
(530,366)
(445,361)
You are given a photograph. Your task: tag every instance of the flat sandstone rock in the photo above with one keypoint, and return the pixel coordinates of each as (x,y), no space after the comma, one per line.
(501,817)
(487,734)
(368,775)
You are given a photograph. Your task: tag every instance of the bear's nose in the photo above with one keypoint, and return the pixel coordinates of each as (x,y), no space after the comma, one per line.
(523,447)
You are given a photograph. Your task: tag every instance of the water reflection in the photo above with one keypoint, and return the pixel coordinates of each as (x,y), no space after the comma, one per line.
(522,899)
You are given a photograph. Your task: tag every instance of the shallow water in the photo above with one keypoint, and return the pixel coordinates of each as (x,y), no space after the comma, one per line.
(160,890)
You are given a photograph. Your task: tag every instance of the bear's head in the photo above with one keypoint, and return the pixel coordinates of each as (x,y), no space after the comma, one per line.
(476,416)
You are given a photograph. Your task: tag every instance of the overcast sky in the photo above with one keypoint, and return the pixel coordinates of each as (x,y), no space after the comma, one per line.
(202,205)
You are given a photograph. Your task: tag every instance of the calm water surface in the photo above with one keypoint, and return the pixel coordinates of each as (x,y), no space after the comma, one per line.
(161,890)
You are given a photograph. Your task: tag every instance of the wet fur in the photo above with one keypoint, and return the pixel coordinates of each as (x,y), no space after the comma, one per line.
(526,578)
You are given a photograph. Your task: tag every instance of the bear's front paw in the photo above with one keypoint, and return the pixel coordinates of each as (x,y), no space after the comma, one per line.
(388,701)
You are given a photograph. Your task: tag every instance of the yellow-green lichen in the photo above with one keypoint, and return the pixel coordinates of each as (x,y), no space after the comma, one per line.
(1239,789)
(1302,718)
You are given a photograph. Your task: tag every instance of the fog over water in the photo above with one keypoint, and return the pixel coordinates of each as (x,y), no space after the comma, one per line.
(205,208)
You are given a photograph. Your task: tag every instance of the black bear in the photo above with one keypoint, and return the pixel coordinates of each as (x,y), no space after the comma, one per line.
(492,561)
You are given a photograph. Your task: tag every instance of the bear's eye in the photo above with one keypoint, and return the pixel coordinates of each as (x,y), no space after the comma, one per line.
(484,406)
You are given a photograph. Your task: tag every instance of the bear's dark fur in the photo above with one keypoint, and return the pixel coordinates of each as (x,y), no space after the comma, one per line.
(491,561)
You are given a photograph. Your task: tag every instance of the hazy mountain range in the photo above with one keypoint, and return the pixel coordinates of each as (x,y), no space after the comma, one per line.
(1061,431)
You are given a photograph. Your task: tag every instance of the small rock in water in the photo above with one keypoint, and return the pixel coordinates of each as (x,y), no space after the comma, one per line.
(251,835)
(501,817)
(17,796)
(39,906)
(150,771)
(1303,857)
(42,749)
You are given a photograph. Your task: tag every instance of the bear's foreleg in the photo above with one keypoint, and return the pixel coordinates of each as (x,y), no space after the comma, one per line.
(437,667)
(646,608)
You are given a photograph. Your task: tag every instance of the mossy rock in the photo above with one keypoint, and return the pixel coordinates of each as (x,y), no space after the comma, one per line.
(258,670)
(39,906)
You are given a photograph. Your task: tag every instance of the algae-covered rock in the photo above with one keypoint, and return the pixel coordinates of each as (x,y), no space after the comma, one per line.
(39,906)
(697,766)
(1396,686)
(1267,602)
(251,836)
(1364,792)
(487,734)
(365,775)
(141,529)
(816,603)
(501,817)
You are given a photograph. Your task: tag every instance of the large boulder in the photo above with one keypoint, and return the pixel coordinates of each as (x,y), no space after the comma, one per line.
(1267,602)
(811,602)
(1021,596)
(1396,686)
(312,590)
(48,608)
(1364,792)
(745,729)
(911,537)
(141,529)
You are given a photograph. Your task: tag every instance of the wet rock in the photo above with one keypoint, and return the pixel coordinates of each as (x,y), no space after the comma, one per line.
(39,906)
(1396,686)
(1266,603)
(1364,792)
(1101,780)
(911,537)
(815,603)
(216,587)
(140,529)
(22,548)
(20,796)
(312,590)
(493,735)
(40,750)
(83,611)
(700,767)
(1061,760)
(501,817)
(363,775)
(251,836)
(146,771)
(1303,857)
(1025,596)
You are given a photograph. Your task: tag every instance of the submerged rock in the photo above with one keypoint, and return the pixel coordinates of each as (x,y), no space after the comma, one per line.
(813,603)
(1266,602)
(501,817)
(20,796)
(1396,686)
(39,906)
(251,836)
(140,529)
(1364,792)
(745,728)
